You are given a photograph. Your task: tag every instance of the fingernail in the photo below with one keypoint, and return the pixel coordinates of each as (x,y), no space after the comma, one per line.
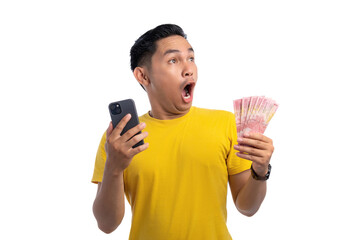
(247,134)
(240,139)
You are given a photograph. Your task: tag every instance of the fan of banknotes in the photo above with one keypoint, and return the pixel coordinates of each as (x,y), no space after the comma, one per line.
(253,114)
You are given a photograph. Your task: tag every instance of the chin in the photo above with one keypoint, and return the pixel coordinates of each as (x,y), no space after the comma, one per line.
(183,107)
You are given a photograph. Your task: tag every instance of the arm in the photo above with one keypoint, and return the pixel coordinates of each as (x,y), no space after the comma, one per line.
(248,193)
(109,207)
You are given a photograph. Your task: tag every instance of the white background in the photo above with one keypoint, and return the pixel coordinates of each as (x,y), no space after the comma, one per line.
(62,62)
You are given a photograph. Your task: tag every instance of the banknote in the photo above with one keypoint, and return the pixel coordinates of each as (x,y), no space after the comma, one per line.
(253,114)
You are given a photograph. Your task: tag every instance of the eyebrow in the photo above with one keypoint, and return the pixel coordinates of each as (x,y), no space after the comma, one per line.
(176,51)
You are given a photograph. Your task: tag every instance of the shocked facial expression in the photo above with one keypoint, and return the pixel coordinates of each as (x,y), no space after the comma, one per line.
(173,75)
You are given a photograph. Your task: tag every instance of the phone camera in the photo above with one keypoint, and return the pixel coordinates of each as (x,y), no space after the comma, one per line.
(115,108)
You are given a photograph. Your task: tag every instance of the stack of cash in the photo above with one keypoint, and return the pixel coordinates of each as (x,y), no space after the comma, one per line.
(253,114)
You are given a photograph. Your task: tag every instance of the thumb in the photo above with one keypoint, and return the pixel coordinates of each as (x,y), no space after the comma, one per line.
(109,130)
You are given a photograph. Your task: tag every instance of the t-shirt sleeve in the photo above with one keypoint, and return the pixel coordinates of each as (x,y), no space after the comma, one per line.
(100,161)
(235,164)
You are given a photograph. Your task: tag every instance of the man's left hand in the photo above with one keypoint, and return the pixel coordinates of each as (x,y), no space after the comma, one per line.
(257,148)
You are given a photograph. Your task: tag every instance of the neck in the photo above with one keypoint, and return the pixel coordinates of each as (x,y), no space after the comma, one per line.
(164,115)
(164,109)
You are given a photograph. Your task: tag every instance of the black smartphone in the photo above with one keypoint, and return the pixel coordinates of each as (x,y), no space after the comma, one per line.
(119,109)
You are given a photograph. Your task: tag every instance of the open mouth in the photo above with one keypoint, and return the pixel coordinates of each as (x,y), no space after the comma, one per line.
(187,91)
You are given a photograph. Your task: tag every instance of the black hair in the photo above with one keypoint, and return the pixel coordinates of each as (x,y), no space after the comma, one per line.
(145,46)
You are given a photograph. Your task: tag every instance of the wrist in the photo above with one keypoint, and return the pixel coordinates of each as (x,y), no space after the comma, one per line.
(261,176)
(112,169)
(260,170)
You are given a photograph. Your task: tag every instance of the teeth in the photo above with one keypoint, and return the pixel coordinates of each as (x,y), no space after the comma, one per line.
(187,95)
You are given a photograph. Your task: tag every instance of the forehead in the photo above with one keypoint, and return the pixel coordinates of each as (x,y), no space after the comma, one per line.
(173,42)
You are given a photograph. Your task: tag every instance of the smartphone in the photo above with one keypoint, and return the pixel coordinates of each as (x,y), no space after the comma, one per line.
(118,110)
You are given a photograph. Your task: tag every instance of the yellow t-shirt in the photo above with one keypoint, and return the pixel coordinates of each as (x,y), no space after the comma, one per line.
(177,188)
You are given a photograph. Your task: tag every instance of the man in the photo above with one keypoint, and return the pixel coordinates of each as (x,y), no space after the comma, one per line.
(176,183)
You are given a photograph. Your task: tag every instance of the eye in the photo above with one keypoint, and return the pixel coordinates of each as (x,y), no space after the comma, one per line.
(172,60)
(192,59)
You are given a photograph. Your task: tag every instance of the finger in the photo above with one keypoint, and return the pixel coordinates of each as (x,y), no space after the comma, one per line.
(254,143)
(139,149)
(249,157)
(137,138)
(131,132)
(250,150)
(118,129)
(109,130)
(258,136)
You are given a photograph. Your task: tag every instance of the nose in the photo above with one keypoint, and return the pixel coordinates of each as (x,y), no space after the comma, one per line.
(188,74)
(188,70)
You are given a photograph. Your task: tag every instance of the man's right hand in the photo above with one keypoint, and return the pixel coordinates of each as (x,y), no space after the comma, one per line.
(119,151)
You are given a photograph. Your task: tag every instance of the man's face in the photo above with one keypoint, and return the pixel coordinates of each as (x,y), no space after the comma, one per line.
(173,75)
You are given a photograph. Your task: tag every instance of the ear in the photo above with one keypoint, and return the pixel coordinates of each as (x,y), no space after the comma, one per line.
(140,74)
